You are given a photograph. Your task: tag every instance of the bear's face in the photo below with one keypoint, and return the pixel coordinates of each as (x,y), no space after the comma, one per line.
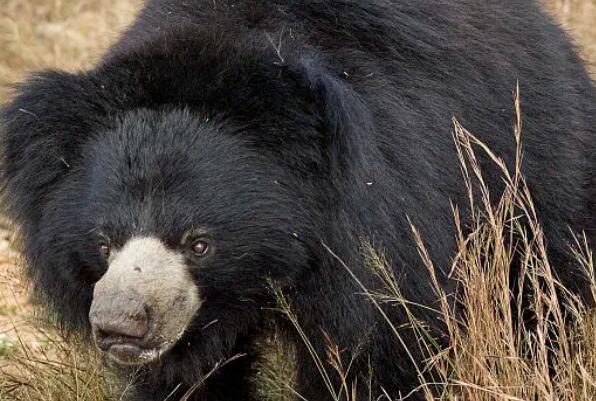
(174,214)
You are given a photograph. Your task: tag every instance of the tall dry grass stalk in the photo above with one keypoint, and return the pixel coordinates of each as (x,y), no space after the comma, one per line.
(492,354)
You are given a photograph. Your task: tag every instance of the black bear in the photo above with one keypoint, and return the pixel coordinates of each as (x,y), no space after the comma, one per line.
(221,146)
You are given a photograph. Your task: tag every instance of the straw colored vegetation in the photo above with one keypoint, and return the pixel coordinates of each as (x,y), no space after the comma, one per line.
(491,355)
(69,34)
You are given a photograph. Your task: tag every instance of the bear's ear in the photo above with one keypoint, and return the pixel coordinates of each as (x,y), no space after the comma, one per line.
(348,120)
(41,131)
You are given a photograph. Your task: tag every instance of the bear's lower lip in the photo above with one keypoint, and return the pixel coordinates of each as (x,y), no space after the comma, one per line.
(132,354)
(126,353)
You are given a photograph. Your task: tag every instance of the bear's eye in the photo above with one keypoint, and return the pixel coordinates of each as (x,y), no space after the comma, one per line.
(104,250)
(200,248)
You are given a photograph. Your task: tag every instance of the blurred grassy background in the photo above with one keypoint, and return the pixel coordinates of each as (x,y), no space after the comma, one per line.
(70,34)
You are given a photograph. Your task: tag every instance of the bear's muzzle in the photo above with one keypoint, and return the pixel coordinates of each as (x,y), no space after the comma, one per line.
(144,303)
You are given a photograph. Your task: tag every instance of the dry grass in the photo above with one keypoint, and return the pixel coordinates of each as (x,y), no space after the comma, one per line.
(69,34)
(490,358)
(54,370)
(491,355)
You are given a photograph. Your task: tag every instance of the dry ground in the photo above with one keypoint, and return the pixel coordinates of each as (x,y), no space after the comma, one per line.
(67,34)
(70,34)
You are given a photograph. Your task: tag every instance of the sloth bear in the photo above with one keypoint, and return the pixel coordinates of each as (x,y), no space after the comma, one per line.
(221,146)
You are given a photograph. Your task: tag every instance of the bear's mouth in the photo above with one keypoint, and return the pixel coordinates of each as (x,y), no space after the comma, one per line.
(133,353)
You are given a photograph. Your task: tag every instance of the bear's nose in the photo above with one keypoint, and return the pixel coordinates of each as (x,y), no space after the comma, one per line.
(118,326)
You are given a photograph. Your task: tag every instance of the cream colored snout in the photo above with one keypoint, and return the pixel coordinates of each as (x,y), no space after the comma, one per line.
(144,302)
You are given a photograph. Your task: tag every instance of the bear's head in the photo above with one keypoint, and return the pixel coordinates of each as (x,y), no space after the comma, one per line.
(165,213)
(156,207)
(180,213)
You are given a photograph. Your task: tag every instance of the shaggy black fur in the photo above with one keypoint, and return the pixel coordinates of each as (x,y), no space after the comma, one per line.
(280,126)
